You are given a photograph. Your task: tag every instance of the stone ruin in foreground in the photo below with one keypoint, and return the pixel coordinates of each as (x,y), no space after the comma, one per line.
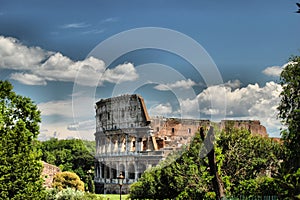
(128,141)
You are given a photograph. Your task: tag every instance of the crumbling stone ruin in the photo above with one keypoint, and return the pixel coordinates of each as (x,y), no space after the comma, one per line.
(128,141)
(48,173)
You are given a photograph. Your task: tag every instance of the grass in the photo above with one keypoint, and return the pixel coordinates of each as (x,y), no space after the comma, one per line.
(114,196)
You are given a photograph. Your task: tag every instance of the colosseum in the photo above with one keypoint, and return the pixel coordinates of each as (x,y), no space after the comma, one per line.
(128,141)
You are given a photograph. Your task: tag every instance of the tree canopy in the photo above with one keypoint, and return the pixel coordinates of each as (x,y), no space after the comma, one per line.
(72,155)
(289,112)
(20,165)
(240,157)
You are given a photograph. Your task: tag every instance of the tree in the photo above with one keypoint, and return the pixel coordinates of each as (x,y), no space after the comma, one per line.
(20,166)
(289,112)
(240,159)
(63,180)
(70,155)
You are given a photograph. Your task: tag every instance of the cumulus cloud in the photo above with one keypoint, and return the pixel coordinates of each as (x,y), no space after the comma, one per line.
(181,84)
(273,71)
(276,70)
(161,110)
(250,102)
(14,55)
(233,84)
(35,66)
(28,79)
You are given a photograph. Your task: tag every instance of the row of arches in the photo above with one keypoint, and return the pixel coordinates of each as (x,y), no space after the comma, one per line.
(131,171)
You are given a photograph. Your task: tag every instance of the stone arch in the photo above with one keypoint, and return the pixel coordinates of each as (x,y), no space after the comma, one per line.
(122,169)
(131,171)
(142,168)
(113,170)
(107,171)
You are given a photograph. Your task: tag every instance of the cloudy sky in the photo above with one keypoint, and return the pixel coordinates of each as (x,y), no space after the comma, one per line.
(199,59)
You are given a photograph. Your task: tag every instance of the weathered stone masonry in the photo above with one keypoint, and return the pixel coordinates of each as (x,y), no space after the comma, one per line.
(129,142)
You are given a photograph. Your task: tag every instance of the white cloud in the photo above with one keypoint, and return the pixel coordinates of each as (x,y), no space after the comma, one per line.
(81,126)
(273,71)
(62,108)
(250,102)
(233,84)
(276,70)
(38,66)
(75,25)
(28,79)
(118,73)
(181,84)
(110,19)
(62,131)
(82,107)
(161,110)
(14,55)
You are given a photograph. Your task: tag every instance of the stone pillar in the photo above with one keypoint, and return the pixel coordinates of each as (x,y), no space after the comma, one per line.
(112,146)
(101,170)
(119,144)
(105,145)
(138,144)
(126,172)
(127,143)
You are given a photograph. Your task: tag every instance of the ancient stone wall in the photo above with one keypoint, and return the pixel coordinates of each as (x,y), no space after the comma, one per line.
(253,126)
(129,142)
(48,173)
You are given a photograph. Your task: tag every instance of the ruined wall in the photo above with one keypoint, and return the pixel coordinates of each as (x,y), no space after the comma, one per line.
(129,142)
(48,173)
(253,126)
(122,142)
(175,132)
(126,111)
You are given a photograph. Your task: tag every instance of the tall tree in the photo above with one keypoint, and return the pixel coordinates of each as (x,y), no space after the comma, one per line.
(289,111)
(20,165)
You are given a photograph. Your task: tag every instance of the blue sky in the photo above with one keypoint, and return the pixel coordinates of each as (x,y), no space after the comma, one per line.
(44,44)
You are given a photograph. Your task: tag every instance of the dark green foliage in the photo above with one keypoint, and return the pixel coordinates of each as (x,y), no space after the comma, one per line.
(70,155)
(184,177)
(20,165)
(242,160)
(247,156)
(289,112)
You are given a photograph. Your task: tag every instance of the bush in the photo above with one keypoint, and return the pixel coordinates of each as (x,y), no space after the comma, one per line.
(64,180)
(70,194)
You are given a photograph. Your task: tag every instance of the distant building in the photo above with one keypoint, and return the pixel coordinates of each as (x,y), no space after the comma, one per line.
(129,142)
(48,173)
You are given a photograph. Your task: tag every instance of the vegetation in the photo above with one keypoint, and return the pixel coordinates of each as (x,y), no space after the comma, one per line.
(63,180)
(241,157)
(70,194)
(20,165)
(72,155)
(289,112)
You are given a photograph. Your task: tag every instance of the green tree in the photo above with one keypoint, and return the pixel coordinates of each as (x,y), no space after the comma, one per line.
(20,165)
(70,155)
(242,159)
(181,177)
(247,161)
(63,180)
(289,112)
